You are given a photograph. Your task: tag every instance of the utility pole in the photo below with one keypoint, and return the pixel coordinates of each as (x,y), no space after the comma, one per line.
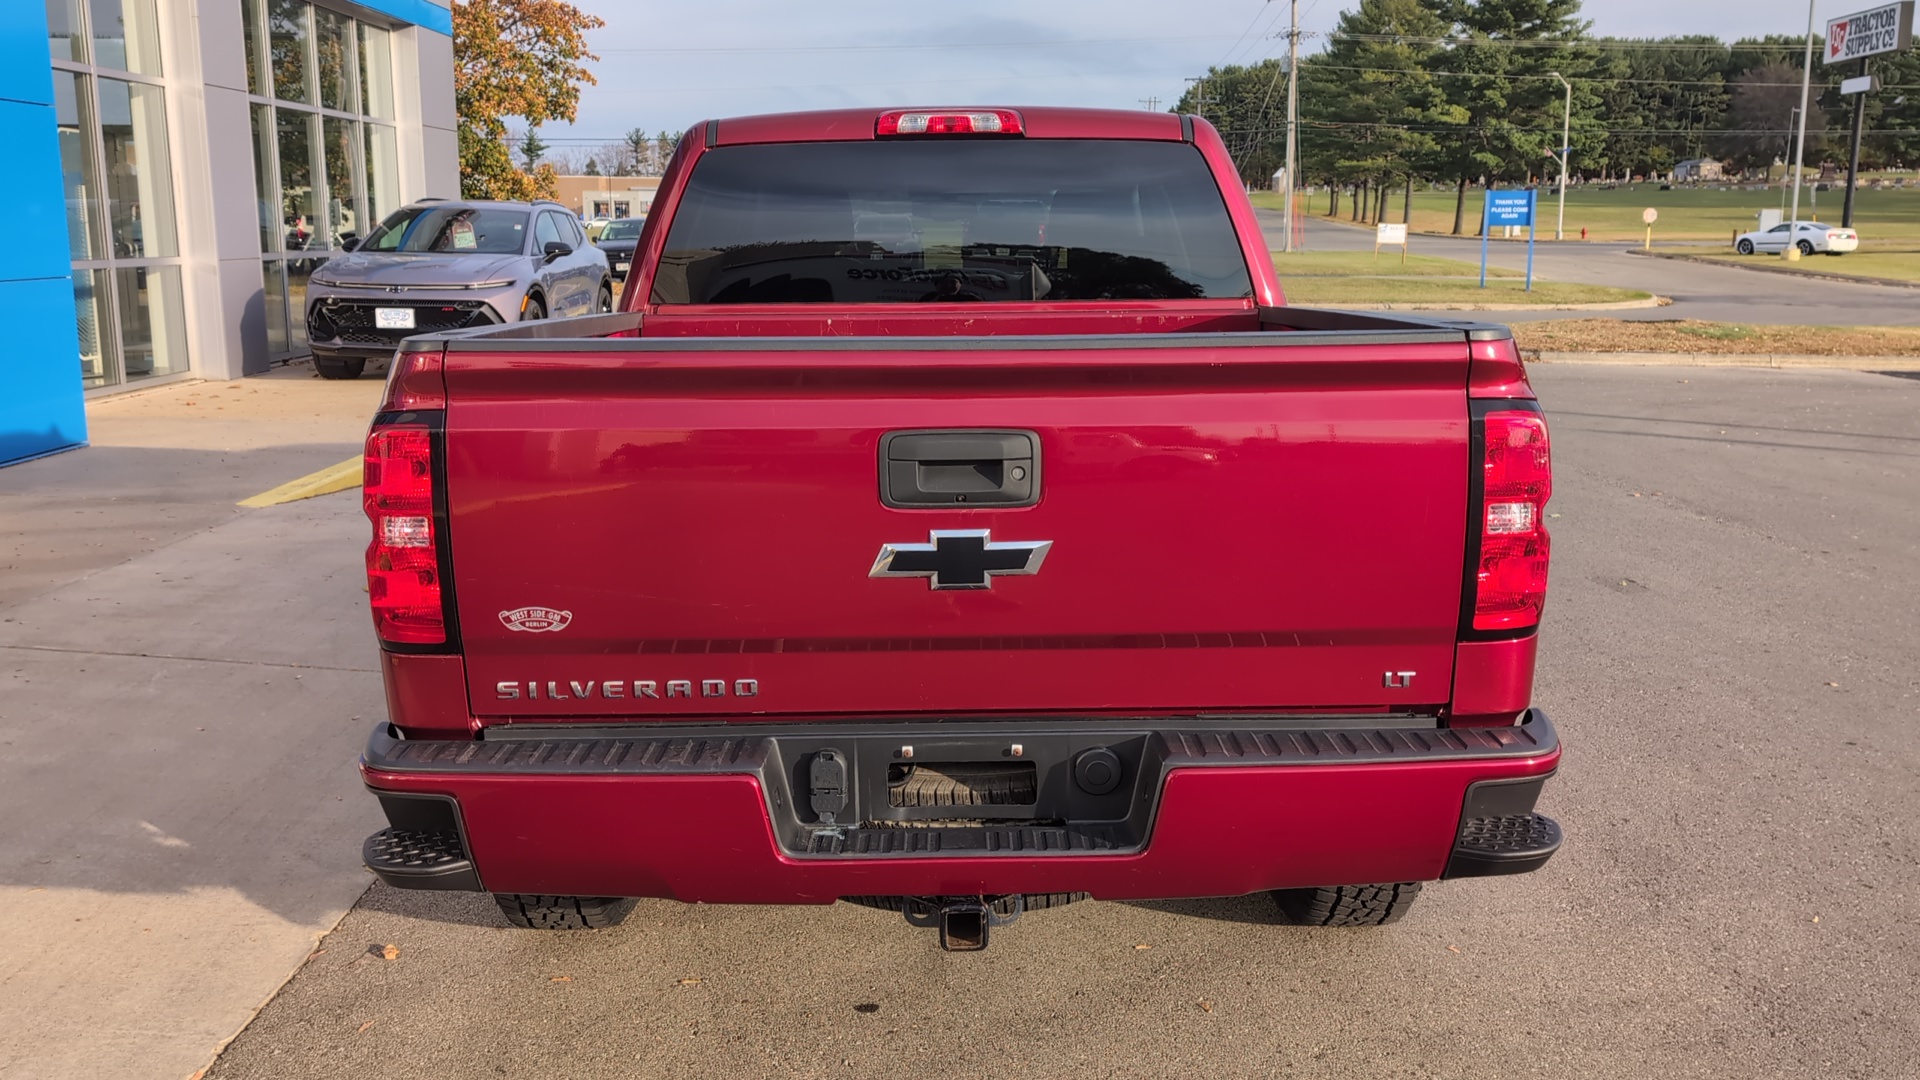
(1200,98)
(1792,252)
(1293,120)
(1152,103)
(1566,151)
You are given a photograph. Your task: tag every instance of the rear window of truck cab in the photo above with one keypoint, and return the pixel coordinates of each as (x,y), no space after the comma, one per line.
(950,221)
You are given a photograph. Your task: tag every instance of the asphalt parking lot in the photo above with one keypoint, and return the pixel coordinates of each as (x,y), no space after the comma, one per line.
(1729,653)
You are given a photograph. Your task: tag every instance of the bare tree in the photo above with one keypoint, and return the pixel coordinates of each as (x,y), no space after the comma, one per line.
(1761,117)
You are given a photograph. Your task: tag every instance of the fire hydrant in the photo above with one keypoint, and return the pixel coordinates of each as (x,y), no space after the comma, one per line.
(1583,232)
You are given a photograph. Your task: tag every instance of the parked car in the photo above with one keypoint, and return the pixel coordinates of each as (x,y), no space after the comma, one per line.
(1055,558)
(438,265)
(618,240)
(1811,236)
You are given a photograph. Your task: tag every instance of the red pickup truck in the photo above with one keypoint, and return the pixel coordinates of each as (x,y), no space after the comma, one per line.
(955,520)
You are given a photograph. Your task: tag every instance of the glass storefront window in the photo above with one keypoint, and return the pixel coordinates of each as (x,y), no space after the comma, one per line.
(287,33)
(333,46)
(383,172)
(343,204)
(263,176)
(273,280)
(117,180)
(299,206)
(153,325)
(133,125)
(73,118)
(90,319)
(322,178)
(257,48)
(126,36)
(298,271)
(65,34)
(376,72)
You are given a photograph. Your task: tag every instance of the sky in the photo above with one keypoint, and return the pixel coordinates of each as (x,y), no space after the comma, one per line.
(668,64)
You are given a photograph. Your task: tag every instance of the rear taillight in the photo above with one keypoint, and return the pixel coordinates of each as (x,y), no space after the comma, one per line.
(949,122)
(404,580)
(1510,588)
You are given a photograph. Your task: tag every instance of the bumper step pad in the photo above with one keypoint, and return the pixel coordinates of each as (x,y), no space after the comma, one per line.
(1507,844)
(417,859)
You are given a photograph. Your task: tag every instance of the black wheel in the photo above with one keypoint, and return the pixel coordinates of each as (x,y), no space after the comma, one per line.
(339,367)
(605,303)
(1347,905)
(531,912)
(1805,246)
(535,309)
(1744,247)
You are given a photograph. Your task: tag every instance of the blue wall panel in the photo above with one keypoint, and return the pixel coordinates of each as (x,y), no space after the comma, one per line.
(41,405)
(422,13)
(26,70)
(40,401)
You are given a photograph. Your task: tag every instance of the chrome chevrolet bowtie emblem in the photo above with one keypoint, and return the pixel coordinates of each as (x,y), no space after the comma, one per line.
(960,559)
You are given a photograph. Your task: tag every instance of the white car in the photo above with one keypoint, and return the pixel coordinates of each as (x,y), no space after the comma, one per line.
(1809,236)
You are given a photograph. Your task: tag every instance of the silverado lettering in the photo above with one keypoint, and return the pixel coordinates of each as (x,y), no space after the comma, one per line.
(616,689)
(1070,338)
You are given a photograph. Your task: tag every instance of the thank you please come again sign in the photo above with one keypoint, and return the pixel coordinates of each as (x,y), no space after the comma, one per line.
(1872,32)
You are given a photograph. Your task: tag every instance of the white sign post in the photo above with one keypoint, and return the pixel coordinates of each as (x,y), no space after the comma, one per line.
(1386,235)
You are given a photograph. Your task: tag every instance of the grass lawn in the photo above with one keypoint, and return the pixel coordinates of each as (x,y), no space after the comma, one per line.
(1693,336)
(1364,264)
(1899,262)
(1685,214)
(1345,278)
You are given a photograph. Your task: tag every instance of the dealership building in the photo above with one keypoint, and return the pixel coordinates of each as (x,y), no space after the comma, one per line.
(178,170)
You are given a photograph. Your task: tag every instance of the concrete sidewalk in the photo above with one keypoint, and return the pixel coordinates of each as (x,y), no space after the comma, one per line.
(184,686)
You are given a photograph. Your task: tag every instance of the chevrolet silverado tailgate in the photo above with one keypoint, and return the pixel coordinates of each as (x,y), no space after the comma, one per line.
(1236,522)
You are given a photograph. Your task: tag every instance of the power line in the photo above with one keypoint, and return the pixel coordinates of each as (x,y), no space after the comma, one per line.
(944,45)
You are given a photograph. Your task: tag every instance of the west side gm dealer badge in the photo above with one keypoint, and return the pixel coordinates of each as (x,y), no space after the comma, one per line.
(536,620)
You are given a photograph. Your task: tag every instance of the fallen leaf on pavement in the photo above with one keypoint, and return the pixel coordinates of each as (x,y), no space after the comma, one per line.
(1139,947)
(1453,948)
(561,978)
(689,982)
(1206,1006)
(390,952)
(365,1026)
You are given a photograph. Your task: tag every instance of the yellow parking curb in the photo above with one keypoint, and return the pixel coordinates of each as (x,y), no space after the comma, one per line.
(325,482)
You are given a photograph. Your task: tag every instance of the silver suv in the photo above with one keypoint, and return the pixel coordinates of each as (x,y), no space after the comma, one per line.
(441,265)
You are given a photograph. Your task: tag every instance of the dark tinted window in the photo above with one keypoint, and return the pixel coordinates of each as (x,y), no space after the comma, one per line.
(950,220)
(624,229)
(479,230)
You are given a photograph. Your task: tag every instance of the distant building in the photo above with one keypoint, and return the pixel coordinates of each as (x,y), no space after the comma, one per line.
(607,196)
(1698,170)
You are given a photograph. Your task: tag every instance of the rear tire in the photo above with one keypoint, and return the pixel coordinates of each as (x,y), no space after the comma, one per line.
(604,304)
(1744,247)
(1347,905)
(339,367)
(534,912)
(1805,246)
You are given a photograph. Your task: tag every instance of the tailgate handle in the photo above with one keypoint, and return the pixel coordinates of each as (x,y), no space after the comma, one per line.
(925,469)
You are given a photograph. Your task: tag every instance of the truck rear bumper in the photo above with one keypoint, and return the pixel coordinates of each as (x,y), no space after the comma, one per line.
(731,815)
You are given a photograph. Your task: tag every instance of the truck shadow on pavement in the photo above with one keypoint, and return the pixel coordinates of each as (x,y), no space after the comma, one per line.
(185,685)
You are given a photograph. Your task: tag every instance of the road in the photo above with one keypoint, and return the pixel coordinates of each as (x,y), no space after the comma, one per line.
(1729,655)
(1699,290)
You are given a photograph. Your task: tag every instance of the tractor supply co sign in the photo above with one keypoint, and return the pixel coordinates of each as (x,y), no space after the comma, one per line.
(1870,33)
